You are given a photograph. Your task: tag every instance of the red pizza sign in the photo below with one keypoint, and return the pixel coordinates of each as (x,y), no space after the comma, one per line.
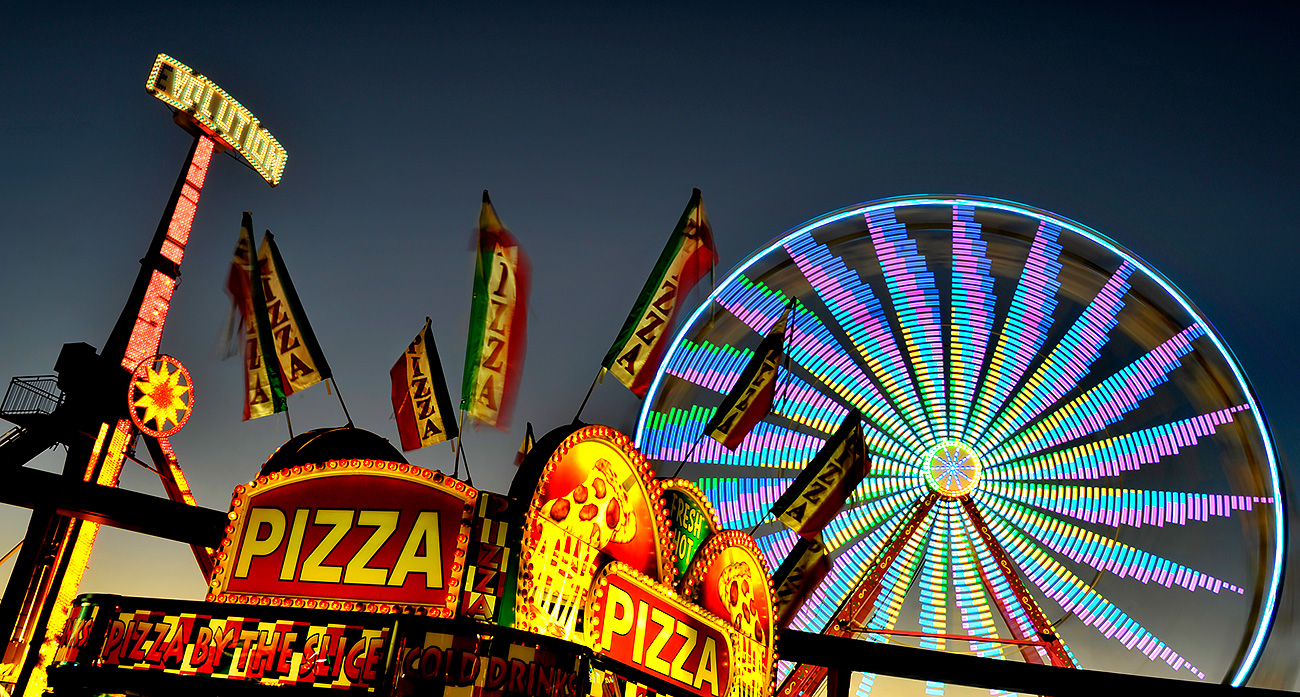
(640,623)
(353,534)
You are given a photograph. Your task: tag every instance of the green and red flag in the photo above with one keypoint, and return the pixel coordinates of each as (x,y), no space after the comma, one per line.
(421,402)
(750,399)
(635,356)
(494,352)
(820,490)
(281,355)
(297,353)
(805,567)
(264,390)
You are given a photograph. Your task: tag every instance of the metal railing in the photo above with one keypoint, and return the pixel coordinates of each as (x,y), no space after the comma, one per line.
(32,394)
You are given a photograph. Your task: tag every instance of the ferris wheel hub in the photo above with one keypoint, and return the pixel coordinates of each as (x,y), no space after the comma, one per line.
(952,468)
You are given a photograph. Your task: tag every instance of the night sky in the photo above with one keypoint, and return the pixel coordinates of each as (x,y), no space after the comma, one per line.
(1169,129)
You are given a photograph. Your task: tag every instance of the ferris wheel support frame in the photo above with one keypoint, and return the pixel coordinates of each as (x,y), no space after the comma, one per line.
(860,603)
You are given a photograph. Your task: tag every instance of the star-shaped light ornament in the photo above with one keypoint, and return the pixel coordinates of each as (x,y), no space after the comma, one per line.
(161,396)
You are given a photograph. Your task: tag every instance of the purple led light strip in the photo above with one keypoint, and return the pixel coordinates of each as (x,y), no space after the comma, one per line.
(1068,362)
(1109,457)
(1025,330)
(1131,507)
(972,313)
(862,317)
(1104,404)
(916,306)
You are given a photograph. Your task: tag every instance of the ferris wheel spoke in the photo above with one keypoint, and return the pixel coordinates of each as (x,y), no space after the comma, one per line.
(897,581)
(810,344)
(915,300)
(1100,552)
(1075,596)
(863,518)
(776,545)
(973,309)
(1110,457)
(1132,507)
(1068,362)
(1025,330)
(1006,591)
(934,578)
(744,502)
(1104,404)
(971,596)
(855,306)
(717,368)
(850,564)
(678,436)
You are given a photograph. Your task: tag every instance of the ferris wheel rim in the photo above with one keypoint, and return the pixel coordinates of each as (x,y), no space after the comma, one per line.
(1277,571)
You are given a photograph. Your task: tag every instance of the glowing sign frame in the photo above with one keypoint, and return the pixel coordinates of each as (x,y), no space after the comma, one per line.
(650,599)
(556,562)
(218,114)
(709,565)
(144,373)
(297,592)
(688,494)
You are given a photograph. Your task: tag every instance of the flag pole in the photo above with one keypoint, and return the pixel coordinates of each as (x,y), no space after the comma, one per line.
(591,389)
(287,419)
(694,446)
(339,392)
(460,445)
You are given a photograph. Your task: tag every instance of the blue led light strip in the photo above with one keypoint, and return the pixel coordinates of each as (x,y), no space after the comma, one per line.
(1068,362)
(916,306)
(1104,404)
(973,309)
(1025,329)
(1110,457)
(860,314)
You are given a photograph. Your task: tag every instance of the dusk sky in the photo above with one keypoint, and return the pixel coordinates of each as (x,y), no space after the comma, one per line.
(1169,129)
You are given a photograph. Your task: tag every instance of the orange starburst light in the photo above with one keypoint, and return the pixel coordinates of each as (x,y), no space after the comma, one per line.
(161,396)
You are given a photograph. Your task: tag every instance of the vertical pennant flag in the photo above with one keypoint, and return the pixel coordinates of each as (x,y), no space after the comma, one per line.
(293,344)
(264,390)
(635,356)
(494,352)
(750,399)
(526,446)
(421,403)
(820,490)
(805,567)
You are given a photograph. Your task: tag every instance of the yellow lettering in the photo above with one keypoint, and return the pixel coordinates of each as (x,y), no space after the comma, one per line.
(424,532)
(708,670)
(618,616)
(638,639)
(678,672)
(289,569)
(653,660)
(314,568)
(256,545)
(385,523)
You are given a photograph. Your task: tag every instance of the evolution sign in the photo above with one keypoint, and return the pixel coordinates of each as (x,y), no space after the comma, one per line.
(347,534)
(217,114)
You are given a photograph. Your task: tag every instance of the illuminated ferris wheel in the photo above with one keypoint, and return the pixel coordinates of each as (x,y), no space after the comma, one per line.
(1034,397)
